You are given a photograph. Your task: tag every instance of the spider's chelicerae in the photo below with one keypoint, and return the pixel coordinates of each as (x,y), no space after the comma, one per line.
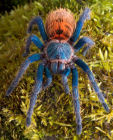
(58,57)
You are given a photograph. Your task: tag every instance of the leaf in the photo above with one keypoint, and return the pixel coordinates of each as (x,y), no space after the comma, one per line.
(60,97)
(44,121)
(11,118)
(62,124)
(35,137)
(39,5)
(109,117)
(75,138)
(105,55)
(101,55)
(24,17)
(104,133)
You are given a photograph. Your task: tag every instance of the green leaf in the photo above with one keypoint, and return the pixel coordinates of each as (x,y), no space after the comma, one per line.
(104,133)
(75,138)
(105,55)
(101,55)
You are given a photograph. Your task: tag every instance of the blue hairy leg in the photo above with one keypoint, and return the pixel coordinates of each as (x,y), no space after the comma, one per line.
(35,40)
(39,22)
(83,41)
(24,66)
(83,17)
(76,99)
(61,67)
(65,73)
(36,90)
(49,77)
(86,69)
(54,67)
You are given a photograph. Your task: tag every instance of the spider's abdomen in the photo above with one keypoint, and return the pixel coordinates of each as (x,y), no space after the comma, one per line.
(60,24)
(58,54)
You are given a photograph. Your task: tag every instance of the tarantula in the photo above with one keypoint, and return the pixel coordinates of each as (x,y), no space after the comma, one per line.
(58,57)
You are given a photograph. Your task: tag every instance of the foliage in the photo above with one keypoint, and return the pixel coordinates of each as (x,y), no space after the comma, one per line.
(53,116)
(6,5)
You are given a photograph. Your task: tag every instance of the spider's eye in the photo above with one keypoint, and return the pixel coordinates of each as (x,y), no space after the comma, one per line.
(60,24)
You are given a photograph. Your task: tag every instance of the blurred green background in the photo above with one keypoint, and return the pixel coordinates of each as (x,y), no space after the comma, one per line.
(53,117)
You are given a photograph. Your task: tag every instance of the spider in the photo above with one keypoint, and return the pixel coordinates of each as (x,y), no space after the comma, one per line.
(58,57)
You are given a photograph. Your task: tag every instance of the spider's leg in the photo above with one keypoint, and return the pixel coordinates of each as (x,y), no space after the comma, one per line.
(38,20)
(36,90)
(65,73)
(24,66)
(86,69)
(84,41)
(49,77)
(83,17)
(35,40)
(76,99)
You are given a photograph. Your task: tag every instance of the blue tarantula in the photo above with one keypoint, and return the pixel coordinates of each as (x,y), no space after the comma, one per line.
(58,57)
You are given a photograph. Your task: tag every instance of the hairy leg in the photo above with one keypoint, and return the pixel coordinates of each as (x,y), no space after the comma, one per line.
(35,40)
(83,17)
(38,20)
(76,99)
(49,77)
(86,69)
(36,90)
(24,66)
(65,74)
(84,41)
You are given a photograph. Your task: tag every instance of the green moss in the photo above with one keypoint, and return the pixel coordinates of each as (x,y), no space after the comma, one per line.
(53,115)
